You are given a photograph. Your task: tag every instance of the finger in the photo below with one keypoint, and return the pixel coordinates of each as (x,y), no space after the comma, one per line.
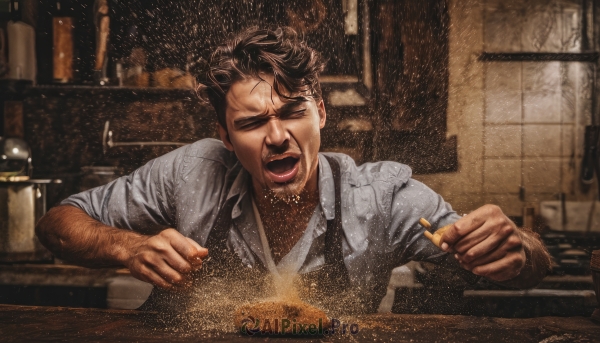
(461,228)
(473,249)
(195,244)
(503,269)
(196,261)
(162,246)
(176,261)
(470,240)
(200,251)
(184,245)
(483,260)
(156,270)
(162,268)
(171,275)
(178,241)
(467,224)
(148,275)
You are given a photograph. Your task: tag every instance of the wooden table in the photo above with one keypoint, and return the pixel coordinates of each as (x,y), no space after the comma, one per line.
(29,323)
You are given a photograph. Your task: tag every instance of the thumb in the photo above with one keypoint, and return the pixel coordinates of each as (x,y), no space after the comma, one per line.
(448,236)
(200,251)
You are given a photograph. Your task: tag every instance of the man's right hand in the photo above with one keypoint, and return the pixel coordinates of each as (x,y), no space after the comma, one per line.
(166,259)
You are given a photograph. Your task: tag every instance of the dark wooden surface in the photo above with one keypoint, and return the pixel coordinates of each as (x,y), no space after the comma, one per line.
(57,275)
(23,323)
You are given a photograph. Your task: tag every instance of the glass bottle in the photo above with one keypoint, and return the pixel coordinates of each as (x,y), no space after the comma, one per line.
(62,35)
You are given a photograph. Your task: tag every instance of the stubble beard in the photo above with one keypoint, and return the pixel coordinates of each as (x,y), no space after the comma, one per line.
(287,197)
(288,193)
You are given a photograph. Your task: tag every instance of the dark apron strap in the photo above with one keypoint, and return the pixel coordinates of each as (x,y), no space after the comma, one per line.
(222,261)
(334,256)
(216,242)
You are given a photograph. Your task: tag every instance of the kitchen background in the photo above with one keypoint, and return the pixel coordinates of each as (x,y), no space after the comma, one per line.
(488,101)
(519,119)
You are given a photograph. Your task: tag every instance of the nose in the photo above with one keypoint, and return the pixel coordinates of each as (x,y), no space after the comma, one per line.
(276,133)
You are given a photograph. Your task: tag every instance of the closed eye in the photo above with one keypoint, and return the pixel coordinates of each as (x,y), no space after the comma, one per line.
(293,114)
(251,123)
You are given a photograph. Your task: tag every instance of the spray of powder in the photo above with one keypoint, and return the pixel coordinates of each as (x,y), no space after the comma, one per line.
(209,307)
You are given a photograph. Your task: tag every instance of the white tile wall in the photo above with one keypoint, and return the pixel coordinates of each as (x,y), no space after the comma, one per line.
(541,107)
(503,93)
(568,141)
(464,200)
(541,92)
(505,19)
(503,77)
(570,175)
(541,27)
(569,73)
(508,202)
(501,176)
(571,27)
(542,140)
(503,108)
(583,105)
(541,176)
(579,141)
(502,140)
(551,26)
(536,198)
(535,112)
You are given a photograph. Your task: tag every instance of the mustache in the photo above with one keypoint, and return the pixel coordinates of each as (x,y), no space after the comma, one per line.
(273,156)
(275,151)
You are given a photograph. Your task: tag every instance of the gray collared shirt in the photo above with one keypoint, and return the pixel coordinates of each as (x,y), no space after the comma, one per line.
(184,189)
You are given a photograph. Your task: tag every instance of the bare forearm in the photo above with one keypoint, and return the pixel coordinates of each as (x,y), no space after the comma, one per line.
(537,265)
(72,235)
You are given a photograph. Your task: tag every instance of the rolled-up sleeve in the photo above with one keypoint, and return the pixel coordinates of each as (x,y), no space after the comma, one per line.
(142,201)
(411,201)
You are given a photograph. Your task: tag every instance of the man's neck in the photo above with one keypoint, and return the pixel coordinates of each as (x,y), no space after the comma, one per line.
(285,220)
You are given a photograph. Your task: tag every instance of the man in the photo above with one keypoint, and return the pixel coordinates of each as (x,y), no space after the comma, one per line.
(266,197)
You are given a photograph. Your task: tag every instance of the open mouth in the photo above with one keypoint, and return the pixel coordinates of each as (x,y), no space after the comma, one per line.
(283,170)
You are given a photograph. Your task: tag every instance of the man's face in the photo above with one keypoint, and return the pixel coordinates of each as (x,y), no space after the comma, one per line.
(276,140)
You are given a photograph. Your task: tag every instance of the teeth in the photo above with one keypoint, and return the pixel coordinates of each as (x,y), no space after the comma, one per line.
(282,165)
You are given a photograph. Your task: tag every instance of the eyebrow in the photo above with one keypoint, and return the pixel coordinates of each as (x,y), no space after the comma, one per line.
(287,108)
(241,122)
(290,105)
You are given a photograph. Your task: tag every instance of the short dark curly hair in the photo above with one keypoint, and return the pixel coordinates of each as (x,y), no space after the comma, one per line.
(280,52)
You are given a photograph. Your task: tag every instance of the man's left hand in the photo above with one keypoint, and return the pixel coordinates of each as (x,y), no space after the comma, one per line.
(487,243)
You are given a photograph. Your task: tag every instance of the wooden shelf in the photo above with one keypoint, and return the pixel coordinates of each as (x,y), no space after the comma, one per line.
(538,56)
(111,91)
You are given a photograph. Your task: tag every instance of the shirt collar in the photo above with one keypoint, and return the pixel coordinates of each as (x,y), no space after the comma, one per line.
(326,184)
(240,186)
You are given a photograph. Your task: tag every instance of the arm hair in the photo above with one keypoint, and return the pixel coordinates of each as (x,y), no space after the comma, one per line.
(72,235)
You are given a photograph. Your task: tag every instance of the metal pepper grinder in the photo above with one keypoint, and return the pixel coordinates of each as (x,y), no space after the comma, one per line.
(595,268)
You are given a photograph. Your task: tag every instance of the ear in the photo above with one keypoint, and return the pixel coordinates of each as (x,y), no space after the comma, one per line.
(322,113)
(224,137)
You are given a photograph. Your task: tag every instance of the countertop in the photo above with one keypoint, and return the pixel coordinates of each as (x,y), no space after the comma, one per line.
(30,323)
(71,286)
